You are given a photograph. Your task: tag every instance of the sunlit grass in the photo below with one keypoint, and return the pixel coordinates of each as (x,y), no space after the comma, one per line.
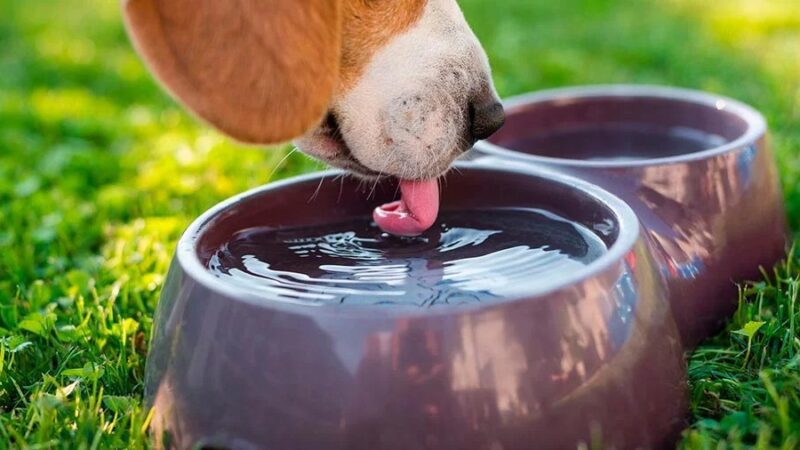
(745,391)
(746,381)
(100,172)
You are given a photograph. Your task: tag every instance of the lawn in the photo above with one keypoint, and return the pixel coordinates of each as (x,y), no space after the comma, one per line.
(100,172)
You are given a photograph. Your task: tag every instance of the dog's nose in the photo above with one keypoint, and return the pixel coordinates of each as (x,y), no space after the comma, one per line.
(486,118)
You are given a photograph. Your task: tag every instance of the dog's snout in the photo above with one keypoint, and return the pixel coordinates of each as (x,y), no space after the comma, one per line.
(486,118)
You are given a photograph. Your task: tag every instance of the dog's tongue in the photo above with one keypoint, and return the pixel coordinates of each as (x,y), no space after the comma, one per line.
(414,213)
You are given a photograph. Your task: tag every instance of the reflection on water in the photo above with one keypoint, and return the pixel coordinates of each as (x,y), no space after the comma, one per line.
(468,256)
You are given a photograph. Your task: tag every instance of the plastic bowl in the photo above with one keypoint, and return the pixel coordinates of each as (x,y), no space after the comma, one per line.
(595,356)
(713,216)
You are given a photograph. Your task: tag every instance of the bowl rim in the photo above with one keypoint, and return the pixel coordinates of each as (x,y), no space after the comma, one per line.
(754,120)
(628,224)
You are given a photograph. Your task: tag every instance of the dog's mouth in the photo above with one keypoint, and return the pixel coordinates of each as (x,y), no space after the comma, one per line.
(412,214)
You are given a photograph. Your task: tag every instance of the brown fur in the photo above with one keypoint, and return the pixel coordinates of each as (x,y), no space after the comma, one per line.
(368,26)
(262,71)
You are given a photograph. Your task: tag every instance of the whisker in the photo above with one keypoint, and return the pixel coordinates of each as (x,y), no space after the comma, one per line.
(281,162)
(316,191)
(341,188)
(375,185)
(396,190)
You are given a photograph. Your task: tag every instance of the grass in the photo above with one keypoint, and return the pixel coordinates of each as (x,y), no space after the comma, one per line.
(100,172)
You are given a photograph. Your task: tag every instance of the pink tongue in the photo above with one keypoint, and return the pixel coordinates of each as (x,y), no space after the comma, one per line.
(414,213)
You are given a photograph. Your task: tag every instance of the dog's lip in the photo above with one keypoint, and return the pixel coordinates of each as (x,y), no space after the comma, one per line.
(344,157)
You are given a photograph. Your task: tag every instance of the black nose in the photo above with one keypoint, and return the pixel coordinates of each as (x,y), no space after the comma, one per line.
(486,118)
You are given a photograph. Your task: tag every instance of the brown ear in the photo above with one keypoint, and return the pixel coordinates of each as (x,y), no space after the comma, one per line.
(262,71)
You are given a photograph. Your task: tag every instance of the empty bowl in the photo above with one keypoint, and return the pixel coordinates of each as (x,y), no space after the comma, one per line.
(531,316)
(695,167)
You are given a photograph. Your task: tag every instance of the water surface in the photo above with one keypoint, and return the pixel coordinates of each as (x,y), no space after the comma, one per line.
(468,256)
(616,142)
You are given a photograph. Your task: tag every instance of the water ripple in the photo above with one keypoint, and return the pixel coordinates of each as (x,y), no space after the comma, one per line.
(468,256)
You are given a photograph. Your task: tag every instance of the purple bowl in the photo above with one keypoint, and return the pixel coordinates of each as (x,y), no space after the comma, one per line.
(593,357)
(695,167)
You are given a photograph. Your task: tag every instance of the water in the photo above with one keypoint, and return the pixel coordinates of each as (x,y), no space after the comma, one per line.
(468,256)
(617,142)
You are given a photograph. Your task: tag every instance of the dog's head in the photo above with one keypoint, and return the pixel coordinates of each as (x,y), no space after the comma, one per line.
(393,87)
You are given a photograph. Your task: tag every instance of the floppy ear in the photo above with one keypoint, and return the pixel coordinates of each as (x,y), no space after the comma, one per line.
(262,71)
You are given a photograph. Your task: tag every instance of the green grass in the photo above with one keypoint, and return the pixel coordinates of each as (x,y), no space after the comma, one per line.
(100,172)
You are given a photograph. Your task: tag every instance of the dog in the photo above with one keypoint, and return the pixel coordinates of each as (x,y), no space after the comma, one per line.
(376,87)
